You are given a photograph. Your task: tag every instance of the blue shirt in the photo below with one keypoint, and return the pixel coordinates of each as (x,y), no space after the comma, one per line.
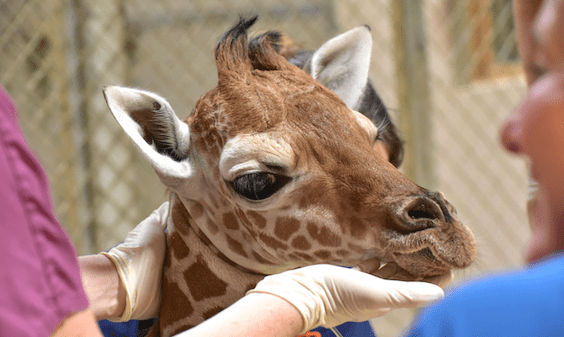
(525,302)
(349,329)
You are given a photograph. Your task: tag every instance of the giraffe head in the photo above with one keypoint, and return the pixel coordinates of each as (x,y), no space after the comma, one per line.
(341,64)
(276,172)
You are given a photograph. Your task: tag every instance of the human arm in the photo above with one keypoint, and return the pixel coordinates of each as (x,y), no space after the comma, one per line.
(102,285)
(78,324)
(253,315)
(124,283)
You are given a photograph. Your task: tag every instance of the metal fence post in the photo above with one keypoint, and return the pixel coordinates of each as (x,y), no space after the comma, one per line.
(99,35)
(413,91)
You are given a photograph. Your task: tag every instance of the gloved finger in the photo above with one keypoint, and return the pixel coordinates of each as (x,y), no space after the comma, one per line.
(154,224)
(441,280)
(405,294)
(158,217)
(162,212)
(370,291)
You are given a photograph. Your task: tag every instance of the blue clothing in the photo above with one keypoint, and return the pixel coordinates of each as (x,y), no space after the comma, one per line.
(124,329)
(525,302)
(349,329)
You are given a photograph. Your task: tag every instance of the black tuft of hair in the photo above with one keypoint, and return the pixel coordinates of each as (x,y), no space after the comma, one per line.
(372,107)
(272,36)
(237,30)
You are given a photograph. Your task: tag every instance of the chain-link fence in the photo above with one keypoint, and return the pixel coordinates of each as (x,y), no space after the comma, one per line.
(447,70)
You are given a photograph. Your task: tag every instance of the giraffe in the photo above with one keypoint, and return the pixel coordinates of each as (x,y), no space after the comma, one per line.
(341,64)
(272,171)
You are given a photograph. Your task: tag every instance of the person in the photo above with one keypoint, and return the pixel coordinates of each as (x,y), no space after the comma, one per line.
(525,12)
(521,302)
(526,302)
(42,291)
(49,291)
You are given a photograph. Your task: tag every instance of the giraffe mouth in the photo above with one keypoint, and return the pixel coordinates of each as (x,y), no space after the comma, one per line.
(391,270)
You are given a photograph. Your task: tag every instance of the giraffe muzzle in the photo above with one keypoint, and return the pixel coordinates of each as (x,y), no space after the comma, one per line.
(426,238)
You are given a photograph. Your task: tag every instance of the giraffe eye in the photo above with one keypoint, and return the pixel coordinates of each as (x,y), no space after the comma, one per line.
(259,185)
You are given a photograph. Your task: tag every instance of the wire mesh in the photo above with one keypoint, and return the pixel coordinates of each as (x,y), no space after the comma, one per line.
(58,54)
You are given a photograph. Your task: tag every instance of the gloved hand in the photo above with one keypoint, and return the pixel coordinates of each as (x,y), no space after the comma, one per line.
(139,262)
(328,296)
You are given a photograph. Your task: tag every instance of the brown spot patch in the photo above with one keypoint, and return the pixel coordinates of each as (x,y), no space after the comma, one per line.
(285,227)
(180,217)
(343,253)
(212,226)
(202,282)
(323,235)
(236,246)
(177,246)
(257,219)
(272,242)
(301,242)
(323,254)
(230,221)
(196,210)
(167,260)
(354,247)
(175,305)
(301,257)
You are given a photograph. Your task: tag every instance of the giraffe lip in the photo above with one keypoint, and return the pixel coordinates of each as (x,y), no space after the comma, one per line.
(422,247)
(385,269)
(421,263)
(408,265)
(430,252)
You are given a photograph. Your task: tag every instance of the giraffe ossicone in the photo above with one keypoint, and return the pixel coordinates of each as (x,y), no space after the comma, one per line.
(273,171)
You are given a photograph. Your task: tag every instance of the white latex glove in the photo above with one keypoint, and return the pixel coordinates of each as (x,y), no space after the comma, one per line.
(139,262)
(329,296)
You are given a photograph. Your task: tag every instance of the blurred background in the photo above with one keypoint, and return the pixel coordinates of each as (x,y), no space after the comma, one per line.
(447,70)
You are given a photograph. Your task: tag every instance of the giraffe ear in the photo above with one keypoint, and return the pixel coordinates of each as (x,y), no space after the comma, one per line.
(341,64)
(153,126)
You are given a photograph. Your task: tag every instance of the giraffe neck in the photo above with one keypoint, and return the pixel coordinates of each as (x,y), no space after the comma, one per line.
(197,281)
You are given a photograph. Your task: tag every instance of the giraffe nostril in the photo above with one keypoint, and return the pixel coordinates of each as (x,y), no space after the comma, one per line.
(424,209)
(418,213)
